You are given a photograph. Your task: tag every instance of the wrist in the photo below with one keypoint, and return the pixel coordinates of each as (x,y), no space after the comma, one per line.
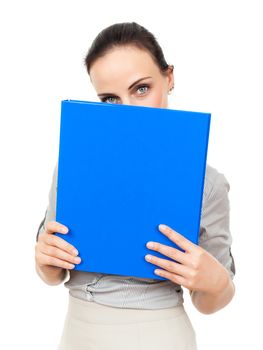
(51,275)
(222,284)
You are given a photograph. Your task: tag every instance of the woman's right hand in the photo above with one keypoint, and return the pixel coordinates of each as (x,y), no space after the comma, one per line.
(53,252)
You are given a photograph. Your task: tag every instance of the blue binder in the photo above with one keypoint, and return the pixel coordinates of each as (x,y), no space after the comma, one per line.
(122,171)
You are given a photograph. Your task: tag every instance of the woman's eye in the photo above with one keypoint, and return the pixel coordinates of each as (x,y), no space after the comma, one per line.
(142,89)
(109,99)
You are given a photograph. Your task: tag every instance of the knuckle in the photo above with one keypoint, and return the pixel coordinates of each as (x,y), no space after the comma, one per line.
(171,235)
(40,260)
(193,274)
(200,252)
(157,246)
(49,225)
(41,237)
(175,279)
(51,250)
(49,260)
(63,244)
(49,240)
(169,230)
(37,253)
(68,247)
(190,284)
(170,265)
(174,254)
(178,240)
(66,265)
(72,259)
(36,257)
(195,263)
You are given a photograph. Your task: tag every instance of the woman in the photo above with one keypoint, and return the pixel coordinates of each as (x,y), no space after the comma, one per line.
(126,65)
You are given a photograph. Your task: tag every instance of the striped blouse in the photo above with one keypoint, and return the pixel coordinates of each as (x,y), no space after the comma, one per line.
(145,293)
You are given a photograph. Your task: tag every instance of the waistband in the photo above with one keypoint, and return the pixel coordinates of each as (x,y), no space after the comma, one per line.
(92,312)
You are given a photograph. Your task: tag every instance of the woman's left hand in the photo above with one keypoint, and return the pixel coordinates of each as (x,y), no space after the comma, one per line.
(196,269)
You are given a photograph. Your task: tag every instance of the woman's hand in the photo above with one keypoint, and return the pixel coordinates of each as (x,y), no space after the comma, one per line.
(196,269)
(53,254)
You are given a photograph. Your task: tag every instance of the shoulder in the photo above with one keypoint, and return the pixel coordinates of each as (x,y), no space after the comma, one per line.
(215,184)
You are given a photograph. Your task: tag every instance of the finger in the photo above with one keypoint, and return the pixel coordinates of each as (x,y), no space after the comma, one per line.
(177,238)
(172,277)
(52,261)
(171,252)
(59,242)
(168,265)
(60,254)
(54,226)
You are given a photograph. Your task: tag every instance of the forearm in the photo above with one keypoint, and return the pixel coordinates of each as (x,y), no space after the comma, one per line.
(208,303)
(51,275)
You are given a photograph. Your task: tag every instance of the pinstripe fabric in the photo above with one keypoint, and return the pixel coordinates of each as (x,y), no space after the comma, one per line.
(145,293)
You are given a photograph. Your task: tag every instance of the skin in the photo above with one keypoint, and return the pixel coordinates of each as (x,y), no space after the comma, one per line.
(209,283)
(115,72)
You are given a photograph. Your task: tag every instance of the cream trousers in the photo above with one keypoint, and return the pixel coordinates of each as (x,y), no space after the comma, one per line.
(92,326)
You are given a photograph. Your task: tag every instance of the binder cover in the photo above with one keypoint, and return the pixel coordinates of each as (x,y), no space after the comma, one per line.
(122,171)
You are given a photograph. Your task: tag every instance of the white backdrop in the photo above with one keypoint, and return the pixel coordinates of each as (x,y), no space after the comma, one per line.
(216,48)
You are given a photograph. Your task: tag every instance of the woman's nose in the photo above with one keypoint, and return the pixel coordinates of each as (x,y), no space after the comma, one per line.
(126,101)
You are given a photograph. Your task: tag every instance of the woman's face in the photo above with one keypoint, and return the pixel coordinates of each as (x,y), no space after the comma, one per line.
(128,75)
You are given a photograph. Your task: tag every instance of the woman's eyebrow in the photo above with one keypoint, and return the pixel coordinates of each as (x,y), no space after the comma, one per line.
(137,81)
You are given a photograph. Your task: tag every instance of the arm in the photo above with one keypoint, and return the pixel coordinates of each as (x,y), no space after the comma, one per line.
(51,275)
(53,255)
(209,303)
(216,238)
(205,269)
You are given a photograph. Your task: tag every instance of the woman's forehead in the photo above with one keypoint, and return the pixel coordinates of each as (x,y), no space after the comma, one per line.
(125,64)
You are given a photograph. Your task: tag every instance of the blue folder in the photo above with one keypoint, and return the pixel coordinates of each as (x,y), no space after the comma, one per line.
(122,171)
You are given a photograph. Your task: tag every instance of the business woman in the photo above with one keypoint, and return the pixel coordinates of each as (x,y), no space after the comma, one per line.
(126,65)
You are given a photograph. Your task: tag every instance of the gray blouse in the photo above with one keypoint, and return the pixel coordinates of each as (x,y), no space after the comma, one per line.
(145,293)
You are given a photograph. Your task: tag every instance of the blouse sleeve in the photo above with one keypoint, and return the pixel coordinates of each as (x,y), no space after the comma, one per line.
(215,236)
(50,213)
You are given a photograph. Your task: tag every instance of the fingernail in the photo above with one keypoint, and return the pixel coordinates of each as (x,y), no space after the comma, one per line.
(162,227)
(75,252)
(64,229)
(77,260)
(149,245)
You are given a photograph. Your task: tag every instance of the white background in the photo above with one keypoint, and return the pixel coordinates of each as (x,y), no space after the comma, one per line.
(216,48)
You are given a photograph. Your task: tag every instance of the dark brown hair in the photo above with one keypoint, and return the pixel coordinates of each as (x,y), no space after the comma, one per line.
(127,33)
